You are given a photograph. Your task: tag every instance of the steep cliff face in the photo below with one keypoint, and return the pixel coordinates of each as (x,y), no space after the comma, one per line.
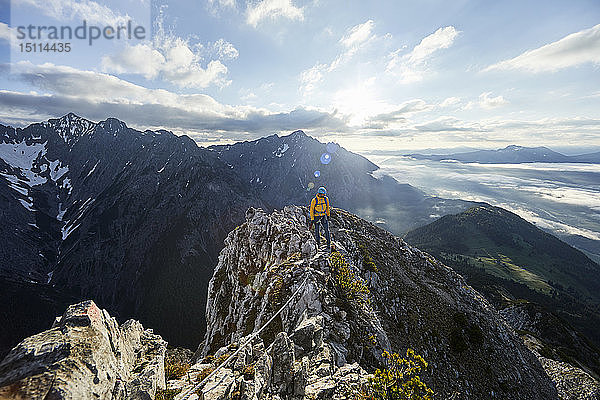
(85,355)
(374,293)
(133,220)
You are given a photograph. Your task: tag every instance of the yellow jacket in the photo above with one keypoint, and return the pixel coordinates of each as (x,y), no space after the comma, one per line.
(319,205)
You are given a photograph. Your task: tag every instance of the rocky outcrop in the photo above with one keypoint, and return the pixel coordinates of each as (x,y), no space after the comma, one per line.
(136,220)
(374,293)
(85,355)
(296,366)
(552,337)
(545,335)
(572,383)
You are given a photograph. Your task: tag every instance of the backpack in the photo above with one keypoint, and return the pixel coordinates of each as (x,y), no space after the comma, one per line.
(321,204)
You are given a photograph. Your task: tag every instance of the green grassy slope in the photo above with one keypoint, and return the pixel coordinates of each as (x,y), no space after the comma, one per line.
(510,260)
(507,246)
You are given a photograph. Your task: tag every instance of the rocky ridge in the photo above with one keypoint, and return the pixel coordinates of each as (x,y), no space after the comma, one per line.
(573,379)
(85,355)
(375,293)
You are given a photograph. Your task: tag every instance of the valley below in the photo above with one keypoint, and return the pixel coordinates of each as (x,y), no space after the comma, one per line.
(561,198)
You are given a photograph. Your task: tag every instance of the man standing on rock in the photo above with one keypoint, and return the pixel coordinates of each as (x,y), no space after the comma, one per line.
(319,214)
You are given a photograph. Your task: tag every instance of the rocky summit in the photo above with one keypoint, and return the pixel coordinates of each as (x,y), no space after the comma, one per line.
(372,293)
(85,355)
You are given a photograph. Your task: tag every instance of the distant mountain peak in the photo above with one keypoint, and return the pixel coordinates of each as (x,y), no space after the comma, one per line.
(71,126)
(516,147)
(112,124)
(297,136)
(70,118)
(299,132)
(513,147)
(508,155)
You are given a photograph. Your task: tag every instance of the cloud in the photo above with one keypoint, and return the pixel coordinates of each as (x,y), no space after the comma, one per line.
(440,39)
(98,96)
(175,60)
(6,32)
(69,10)
(398,115)
(572,50)
(358,34)
(273,10)
(411,67)
(355,39)
(310,77)
(222,3)
(487,102)
(225,50)
(448,124)
(450,101)
(555,226)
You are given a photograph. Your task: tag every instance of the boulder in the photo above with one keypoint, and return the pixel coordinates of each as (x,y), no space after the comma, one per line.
(85,355)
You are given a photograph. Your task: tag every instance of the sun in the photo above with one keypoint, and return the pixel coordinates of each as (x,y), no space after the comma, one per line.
(360,102)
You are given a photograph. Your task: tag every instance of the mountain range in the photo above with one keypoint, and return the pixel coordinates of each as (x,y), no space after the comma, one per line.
(512,154)
(136,220)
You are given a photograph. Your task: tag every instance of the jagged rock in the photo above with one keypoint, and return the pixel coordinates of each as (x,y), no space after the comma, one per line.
(572,383)
(282,353)
(220,387)
(412,301)
(309,334)
(85,355)
(549,335)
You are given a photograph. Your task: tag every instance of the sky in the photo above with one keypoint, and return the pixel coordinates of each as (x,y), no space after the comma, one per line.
(370,75)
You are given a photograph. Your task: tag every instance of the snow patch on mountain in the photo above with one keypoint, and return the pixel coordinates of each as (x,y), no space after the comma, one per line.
(15,184)
(70,226)
(22,156)
(281,150)
(93,169)
(71,127)
(28,204)
(68,229)
(57,170)
(61,212)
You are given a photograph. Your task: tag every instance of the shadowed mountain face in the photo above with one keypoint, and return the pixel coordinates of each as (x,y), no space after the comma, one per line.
(507,258)
(513,155)
(131,219)
(135,220)
(284,170)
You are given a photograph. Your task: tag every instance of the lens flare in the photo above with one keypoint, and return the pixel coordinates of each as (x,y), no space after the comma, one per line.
(325,158)
(332,147)
(310,185)
(317,173)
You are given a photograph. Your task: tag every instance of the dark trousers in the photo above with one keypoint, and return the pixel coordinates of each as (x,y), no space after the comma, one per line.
(322,220)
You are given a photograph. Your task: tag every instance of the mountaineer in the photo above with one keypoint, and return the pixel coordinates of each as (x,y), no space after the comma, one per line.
(319,214)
